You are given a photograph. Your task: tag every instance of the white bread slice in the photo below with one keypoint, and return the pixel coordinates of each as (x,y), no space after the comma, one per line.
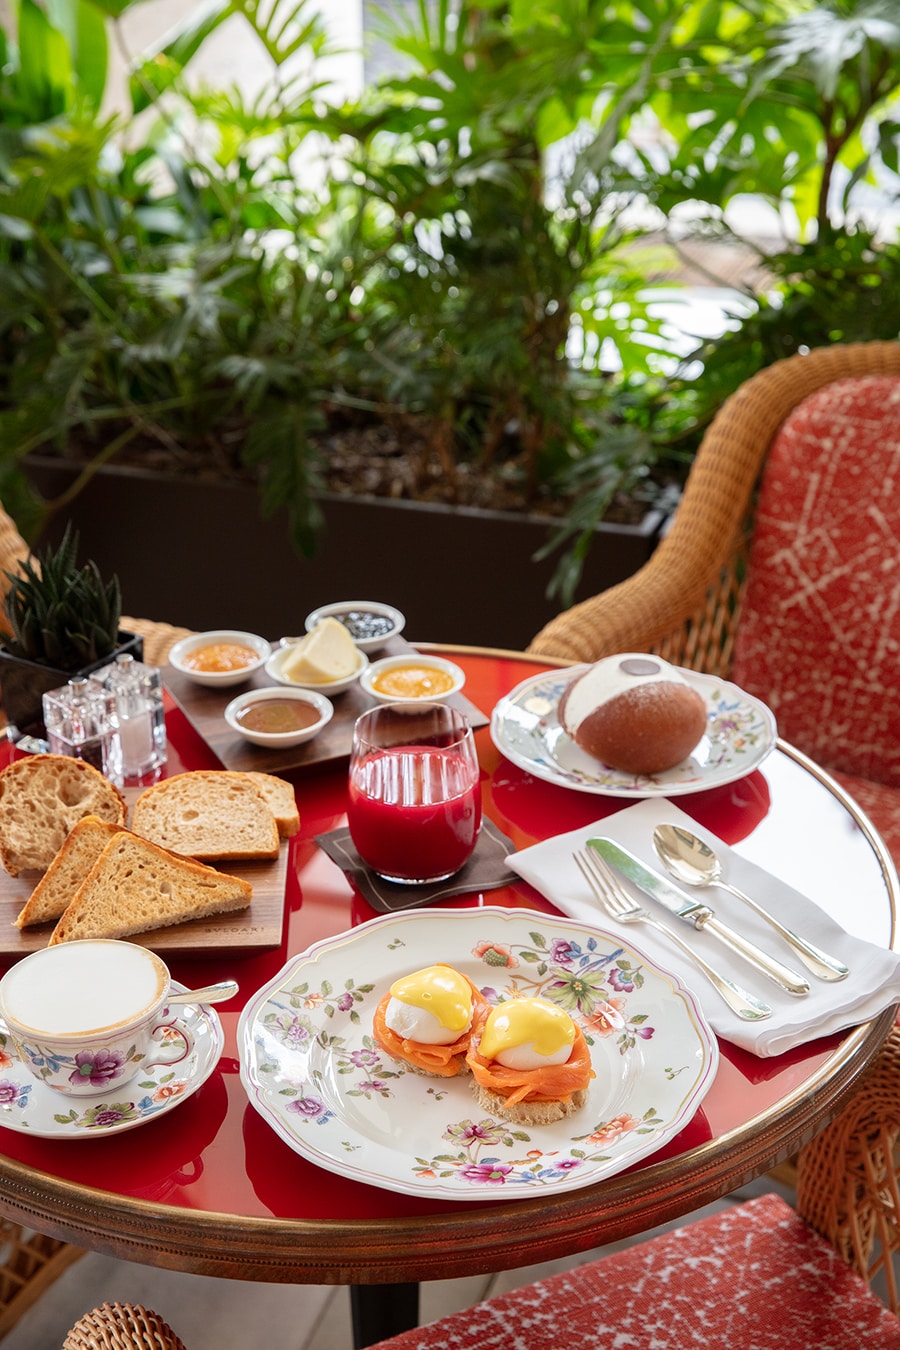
(41,798)
(280,796)
(135,887)
(82,847)
(207,813)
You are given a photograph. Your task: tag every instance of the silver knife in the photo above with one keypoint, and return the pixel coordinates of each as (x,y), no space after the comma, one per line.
(691,911)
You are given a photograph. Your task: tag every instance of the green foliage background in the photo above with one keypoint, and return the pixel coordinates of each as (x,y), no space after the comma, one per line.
(464,251)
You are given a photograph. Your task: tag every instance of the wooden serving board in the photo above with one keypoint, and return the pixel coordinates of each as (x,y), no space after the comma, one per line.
(256,928)
(204,708)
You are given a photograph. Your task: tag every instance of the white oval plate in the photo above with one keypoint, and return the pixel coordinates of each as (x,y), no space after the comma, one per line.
(30,1107)
(311,1068)
(740,732)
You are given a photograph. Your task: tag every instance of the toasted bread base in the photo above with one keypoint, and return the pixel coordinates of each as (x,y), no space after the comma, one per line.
(528,1113)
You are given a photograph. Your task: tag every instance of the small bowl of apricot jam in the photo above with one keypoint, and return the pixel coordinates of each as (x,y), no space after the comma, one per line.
(397,679)
(279,718)
(220,657)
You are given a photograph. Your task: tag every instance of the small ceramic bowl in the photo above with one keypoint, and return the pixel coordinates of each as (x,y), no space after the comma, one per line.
(280,740)
(396,679)
(277,661)
(220,679)
(354,615)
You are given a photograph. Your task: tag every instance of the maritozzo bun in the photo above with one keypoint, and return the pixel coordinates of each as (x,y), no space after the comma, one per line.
(633,712)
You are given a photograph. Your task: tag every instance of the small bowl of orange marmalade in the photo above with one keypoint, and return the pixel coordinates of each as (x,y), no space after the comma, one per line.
(220,657)
(400,679)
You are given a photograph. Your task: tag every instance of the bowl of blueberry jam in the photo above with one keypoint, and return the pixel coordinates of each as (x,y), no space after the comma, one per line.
(369,622)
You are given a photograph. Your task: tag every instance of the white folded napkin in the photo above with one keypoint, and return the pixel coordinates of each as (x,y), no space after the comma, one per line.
(872,985)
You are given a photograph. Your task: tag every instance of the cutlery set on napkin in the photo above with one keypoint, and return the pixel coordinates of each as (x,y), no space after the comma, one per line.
(796,964)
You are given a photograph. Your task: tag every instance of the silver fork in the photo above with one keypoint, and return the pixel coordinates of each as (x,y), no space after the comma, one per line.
(619,905)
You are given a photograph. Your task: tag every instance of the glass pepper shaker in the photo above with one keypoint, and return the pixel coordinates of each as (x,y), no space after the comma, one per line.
(136,691)
(80,721)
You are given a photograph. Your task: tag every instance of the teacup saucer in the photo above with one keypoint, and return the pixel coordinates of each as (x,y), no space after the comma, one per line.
(33,1108)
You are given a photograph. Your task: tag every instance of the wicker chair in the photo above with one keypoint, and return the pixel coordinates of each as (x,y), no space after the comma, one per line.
(705,592)
(122,1326)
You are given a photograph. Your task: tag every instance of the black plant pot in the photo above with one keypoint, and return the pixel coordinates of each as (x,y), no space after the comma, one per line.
(23,684)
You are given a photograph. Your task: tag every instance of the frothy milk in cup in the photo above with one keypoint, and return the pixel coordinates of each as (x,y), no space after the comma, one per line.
(85,1017)
(80,987)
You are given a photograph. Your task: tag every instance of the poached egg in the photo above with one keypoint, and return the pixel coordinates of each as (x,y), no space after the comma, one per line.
(527,1033)
(432,1006)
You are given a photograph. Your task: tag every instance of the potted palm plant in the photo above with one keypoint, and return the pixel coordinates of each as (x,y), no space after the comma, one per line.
(63,622)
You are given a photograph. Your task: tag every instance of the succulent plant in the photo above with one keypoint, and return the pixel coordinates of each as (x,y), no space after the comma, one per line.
(61,614)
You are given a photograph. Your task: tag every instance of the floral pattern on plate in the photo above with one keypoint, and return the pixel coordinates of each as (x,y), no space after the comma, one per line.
(30,1107)
(525,728)
(311,1067)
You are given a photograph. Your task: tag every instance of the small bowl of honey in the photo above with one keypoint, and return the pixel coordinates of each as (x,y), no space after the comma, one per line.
(398,679)
(278,718)
(220,657)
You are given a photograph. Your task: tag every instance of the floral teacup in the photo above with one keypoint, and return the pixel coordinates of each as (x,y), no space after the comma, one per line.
(86,1016)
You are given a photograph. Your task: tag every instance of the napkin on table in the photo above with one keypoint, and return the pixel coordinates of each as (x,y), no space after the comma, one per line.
(872,985)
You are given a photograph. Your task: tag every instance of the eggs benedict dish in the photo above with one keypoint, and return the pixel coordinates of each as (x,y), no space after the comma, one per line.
(425,1019)
(530,1062)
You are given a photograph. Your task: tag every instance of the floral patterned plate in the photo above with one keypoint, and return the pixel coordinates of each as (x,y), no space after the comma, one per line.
(524,727)
(311,1068)
(33,1108)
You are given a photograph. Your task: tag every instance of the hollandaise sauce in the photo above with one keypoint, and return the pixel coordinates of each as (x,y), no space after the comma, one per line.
(527,1034)
(440,993)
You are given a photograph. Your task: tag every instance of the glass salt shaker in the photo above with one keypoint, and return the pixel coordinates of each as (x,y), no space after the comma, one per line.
(81,722)
(140,717)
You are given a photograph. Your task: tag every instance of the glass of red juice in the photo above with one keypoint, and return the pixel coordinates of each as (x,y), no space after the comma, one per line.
(414,807)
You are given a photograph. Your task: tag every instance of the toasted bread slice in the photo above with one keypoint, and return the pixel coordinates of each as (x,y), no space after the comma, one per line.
(81,848)
(209,814)
(528,1113)
(135,886)
(41,798)
(280,796)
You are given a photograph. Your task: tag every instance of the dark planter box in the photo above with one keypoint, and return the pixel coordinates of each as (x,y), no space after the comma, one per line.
(23,683)
(199,554)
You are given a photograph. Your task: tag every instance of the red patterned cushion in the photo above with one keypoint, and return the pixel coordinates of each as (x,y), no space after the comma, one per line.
(754,1277)
(880,803)
(819,638)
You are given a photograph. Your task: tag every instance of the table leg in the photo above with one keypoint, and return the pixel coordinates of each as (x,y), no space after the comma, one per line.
(382,1310)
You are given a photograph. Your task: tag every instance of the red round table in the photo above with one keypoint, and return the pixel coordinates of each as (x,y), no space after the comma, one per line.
(211,1189)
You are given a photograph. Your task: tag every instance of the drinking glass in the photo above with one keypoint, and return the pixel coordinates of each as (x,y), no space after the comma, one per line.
(414,807)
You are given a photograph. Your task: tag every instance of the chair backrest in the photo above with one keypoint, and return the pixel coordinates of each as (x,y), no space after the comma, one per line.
(686,601)
(819,632)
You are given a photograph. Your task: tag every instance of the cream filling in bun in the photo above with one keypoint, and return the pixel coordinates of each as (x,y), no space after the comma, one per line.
(613,676)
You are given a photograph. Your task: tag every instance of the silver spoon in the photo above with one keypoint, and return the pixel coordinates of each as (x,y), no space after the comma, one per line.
(692,861)
(211,993)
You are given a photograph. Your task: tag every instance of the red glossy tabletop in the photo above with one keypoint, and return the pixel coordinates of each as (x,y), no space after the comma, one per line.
(210,1188)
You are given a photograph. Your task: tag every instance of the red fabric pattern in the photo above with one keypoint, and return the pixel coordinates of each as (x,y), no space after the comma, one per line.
(755,1277)
(819,637)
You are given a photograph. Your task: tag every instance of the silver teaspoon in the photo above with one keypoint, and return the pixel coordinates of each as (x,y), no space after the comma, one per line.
(692,861)
(211,993)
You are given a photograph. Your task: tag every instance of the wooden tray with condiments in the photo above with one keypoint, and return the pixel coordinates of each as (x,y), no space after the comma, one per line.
(204,708)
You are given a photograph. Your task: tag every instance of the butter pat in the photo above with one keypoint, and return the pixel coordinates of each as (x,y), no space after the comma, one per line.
(326,654)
